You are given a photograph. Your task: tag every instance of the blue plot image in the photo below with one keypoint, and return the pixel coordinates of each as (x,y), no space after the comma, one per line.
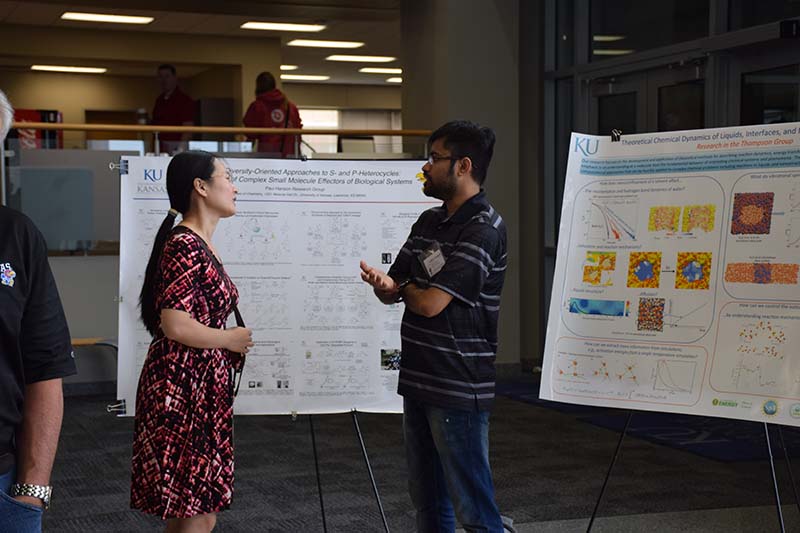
(583,306)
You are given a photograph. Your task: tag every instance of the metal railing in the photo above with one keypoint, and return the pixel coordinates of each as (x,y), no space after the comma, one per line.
(223,130)
(16,159)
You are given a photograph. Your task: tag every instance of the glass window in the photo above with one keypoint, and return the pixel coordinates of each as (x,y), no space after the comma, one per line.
(556,161)
(681,106)
(616,111)
(746,13)
(771,96)
(622,27)
(565,33)
(319,119)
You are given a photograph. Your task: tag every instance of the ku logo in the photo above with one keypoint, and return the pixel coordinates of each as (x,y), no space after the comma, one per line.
(585,145)
(153,174)
(7,274)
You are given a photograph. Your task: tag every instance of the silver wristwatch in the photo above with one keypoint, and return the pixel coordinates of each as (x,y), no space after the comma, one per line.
(42,492)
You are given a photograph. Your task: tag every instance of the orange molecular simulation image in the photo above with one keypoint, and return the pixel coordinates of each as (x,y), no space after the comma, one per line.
(763,273)
(644,270)
(693,270)
(752,213)
(664,218)
(698,217)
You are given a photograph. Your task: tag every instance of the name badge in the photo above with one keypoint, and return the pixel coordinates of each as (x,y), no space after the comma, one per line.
(432,260)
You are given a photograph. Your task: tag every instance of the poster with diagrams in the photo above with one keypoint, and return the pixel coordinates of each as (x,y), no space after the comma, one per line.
(677,280)
(323,342)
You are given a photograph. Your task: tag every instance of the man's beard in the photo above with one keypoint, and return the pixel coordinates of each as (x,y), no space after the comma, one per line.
(442,191)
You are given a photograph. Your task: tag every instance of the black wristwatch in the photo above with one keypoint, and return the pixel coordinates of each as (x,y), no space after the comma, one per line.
(42,492)
(400,286)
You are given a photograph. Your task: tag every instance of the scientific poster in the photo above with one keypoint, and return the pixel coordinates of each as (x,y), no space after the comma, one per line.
(323,342)
(676,284)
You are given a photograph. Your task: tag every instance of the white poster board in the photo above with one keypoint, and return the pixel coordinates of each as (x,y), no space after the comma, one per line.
(676,282)
(323,342)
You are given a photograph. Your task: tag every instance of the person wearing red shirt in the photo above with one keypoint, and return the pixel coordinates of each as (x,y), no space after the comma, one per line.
(173,107)
(271,109)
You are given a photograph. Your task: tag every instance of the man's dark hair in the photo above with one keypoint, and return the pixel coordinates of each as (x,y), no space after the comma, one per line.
(467,139)
(167,66)
(265,82)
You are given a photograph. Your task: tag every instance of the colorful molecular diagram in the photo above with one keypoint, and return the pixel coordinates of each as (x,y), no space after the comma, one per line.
(571,371)
(764,273)
(628,374)
(752,213)
(664,218)
(602,372)
(599,268)
(700,217)
(644,270)
(763,339)
(651,314)
(693,270)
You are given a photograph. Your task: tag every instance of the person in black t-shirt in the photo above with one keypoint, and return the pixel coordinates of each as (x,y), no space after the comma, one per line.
(35,353)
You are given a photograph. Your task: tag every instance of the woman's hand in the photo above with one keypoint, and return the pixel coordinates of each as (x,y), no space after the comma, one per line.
(238,340)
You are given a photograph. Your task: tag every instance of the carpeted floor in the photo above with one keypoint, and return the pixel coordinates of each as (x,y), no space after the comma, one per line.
(548,466)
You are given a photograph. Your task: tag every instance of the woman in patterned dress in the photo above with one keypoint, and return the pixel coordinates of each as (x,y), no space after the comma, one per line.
(182,466)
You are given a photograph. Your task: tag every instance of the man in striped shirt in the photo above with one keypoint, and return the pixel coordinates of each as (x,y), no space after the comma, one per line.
(450,275)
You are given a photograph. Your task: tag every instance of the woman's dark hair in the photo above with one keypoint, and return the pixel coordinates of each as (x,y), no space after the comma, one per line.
(184,168)
(265,82)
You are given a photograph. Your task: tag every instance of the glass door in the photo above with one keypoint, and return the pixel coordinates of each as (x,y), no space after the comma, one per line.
(665,99)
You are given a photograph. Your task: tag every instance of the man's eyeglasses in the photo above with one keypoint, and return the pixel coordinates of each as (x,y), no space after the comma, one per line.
(433,158)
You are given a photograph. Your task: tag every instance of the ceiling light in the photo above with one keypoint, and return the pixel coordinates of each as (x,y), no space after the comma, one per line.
(361,59)
(395,80)
(281,26)
(376,70)
(304,77)
(325,44)
(101,17)
(607,38)
(613,52)
(73,70)
(289,67)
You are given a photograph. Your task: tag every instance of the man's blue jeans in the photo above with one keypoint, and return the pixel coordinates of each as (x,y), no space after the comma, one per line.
(448,469)
(15,516)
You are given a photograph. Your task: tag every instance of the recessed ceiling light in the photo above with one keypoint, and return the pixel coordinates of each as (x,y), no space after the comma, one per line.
(361,59)
(102,17)
(325,44)
(74,70)
(607,38)
(281,26)
(395,80)
(289,67)
(612,52)
(304,77)
(376,70)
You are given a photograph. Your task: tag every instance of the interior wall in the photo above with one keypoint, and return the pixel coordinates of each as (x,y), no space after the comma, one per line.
(440,86)
(344,96)
(73,94)
(216,82)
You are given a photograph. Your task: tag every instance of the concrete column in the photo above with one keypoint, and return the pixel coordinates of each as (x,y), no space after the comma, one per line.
(460,61)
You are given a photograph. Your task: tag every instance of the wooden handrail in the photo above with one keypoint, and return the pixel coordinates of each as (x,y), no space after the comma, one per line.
(210,129)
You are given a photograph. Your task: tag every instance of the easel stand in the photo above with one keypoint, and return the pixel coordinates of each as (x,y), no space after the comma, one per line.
(771,464)
(610,467)
(369,469)
(316,468)
(354,414)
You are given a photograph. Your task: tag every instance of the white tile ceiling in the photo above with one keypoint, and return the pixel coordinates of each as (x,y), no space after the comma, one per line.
(376,22)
